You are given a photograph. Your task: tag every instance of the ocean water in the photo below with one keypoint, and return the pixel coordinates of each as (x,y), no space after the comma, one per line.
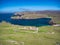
(25,22)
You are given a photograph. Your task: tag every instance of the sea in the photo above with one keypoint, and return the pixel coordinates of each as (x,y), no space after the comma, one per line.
(24,22)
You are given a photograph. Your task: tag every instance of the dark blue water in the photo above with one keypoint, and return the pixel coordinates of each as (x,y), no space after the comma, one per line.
(25,22)
(5,16)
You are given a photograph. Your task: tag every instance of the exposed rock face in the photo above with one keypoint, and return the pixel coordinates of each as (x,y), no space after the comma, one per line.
(17,15)
(51,22)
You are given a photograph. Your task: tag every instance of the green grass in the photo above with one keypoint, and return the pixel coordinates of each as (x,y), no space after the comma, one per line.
(43,37)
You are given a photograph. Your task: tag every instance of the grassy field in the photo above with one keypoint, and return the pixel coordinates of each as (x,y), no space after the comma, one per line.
(13,35)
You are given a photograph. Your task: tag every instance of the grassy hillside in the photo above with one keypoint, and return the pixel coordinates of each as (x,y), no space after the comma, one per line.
(13,35)
(28,15)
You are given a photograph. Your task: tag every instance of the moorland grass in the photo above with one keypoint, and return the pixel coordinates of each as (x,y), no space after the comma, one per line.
(44,36)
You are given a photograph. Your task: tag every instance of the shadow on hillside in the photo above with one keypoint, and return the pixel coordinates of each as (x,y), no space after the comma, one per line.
(25,22)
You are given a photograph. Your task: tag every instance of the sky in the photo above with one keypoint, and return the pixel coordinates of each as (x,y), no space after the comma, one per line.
(29,5)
